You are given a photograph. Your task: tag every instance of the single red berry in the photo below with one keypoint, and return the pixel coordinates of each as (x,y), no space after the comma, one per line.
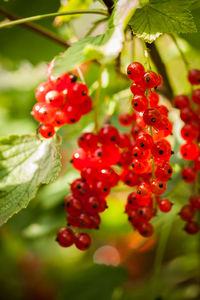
(196,96)
(129,177)
(43,113)
(101,188)
(144,141)
(194,76)
(107,134)
(125,158)
(140,103)
(165,205)
(72,112)
(140,154)
(189,151)
(187,115)
(135,131)
(73,206)
(145,214)
(158,187)
(125,119)
(189,174)
(83,241)
(150,79)
(95,221)
(109,176)
(60,118)
(65,237)
(146,229)
(189,132)
(187,213)
(163,110)
(163,171)
(94,204)
(192,227)
(62,82)
(80,188)
(135,71)
(161,150)
(140,166)
(77,93)
(88,141)
(124,140)
(181,101)
(47,131)
(138,88)
(80,159)
(151,116)
(143,190)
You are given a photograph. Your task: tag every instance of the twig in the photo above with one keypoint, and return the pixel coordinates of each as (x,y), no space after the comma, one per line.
(51,15)
(96,100)
(166,88)
(36,28)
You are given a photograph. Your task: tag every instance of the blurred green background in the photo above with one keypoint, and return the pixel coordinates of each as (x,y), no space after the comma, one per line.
(120,264)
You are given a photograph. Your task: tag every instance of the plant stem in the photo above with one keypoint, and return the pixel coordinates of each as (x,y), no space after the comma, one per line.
(36,28)
(96,100)
(95,25)
(51,15)
(166,87)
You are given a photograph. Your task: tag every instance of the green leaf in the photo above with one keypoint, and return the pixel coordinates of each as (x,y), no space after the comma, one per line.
(25,163)
(103,47)
(162,16)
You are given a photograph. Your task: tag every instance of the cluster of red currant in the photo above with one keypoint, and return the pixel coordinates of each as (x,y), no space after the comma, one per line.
(149,157)
(61,101)
(190,115)
(94,158)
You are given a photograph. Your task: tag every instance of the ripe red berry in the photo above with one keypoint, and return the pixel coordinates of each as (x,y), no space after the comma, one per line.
(42,90)
(65,237)
(165,205)
(107,134)
(135,71)
(125,119)
(43,113)
(88,141)
(150,79)
(189,132)
(72,112)
(153,98)
(151,116)
(140,166)
(129,177)
(189,151)
(144,141)
(138,88)
(187,213)
(143,190)
(140,103)
(77,93)
(181,101)
(73,205)
(158,187)
(146,229)
(194,76)
(195,202)
(80,188)
(47,131)
(191,227)
(54,98)
(196,96)
(163,171)
(80,159)
(83,241)
(187,115)
(86,106)
(161,150)
(145,214)
(188,174)
(60,118)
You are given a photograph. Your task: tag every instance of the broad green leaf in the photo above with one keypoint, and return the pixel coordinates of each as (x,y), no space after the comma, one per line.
(25,163)
(162,16)
(103,47)
(71,5)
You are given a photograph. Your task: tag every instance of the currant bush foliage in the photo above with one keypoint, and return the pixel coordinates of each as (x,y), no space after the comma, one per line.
(25,163)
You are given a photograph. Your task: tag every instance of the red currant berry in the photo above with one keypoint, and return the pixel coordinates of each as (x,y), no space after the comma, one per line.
(125,119)
(165,205)
(83,241)
(143,190)
(189,151)
(47,131)
(140,103)
(150,80)
(151,116)
(43,113)
(72,112)
(187,213)
(158,187)
(196,96)
(138,88)
(80,188)
(144,141)
(189,132)
(65,237)
(188,174)
(197,163)
(163,171)
(77,93)
(146,229)
(129,177)
(140,166)
(161,150)
(42,90)
(145,214)
(192,227)
(54,98)
(153,99)
(86,106)
(108,133)
(195,202)
(194,76)
(135,71)
(73,205)
(124,140)
(187,115)
(88,141)
(181,101)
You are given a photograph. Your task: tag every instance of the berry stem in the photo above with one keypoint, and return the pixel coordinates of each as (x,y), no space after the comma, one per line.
(147,57)
(51,15)
(96,100)
(80,73)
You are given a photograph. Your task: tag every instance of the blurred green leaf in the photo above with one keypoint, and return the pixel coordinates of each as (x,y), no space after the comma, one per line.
(103,47)
(25,163)
(166,16)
